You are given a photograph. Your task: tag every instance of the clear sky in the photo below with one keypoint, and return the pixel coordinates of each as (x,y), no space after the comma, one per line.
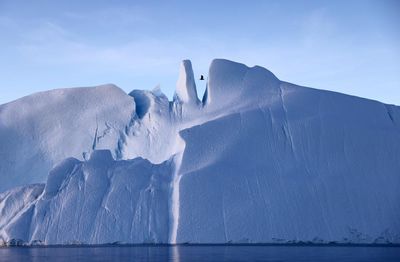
(346,46)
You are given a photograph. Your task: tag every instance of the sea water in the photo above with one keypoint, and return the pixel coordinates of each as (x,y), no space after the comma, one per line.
(201,253)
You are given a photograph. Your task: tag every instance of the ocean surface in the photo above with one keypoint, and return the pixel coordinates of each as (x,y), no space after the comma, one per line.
(201,253)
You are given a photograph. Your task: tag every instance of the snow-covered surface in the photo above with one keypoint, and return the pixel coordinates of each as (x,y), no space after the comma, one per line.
(40,130)
(257,161)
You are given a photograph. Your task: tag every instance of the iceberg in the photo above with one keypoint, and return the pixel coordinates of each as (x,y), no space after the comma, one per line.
(257,160)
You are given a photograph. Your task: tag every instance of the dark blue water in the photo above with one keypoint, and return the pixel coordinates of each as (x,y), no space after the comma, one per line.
(201,253)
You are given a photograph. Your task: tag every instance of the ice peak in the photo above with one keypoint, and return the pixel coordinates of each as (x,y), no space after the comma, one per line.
(186,87)
(231,82)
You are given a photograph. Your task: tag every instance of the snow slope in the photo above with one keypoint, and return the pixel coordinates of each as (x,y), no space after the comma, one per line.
(42,129)
(257,161)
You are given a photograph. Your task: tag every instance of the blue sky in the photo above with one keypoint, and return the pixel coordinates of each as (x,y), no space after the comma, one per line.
(346,46)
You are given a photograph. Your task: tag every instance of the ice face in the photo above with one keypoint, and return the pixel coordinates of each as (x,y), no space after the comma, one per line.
(98,201)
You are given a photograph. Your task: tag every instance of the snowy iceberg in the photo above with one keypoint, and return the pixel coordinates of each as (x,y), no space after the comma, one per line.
(258,160)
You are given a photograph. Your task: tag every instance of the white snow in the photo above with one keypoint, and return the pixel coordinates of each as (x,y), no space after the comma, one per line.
(257,161)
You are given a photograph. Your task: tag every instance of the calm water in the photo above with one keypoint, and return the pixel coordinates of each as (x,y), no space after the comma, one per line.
(201,253)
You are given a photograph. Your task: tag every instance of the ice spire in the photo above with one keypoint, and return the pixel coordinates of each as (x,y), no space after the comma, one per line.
(186,87)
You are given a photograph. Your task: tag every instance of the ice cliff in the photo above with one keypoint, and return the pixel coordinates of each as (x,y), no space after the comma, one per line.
(258,160)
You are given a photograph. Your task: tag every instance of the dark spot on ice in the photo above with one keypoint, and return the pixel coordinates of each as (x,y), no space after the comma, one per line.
(389,110)
(205,96)
(142,102)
